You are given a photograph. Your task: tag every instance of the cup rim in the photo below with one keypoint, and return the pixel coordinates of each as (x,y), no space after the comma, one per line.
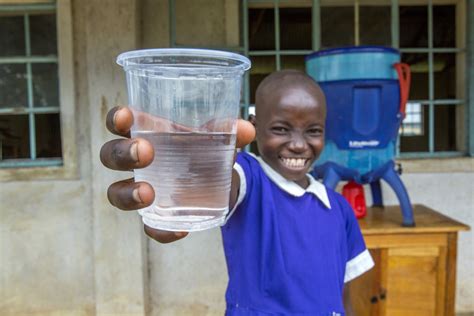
(124,59)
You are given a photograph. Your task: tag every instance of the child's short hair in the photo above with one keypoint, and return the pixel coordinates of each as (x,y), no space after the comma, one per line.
(283,79)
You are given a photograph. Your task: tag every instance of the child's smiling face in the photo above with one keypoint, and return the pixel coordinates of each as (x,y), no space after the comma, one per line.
(290,128)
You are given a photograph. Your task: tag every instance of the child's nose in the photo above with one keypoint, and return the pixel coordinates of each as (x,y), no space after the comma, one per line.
(298,143)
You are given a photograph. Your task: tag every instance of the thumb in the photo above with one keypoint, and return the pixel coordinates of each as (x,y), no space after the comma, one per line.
(245,133)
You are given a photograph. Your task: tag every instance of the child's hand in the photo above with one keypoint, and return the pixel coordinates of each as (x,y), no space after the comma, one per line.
(127,154)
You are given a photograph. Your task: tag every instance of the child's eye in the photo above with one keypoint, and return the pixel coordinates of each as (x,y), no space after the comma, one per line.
(315,131)
(279,129)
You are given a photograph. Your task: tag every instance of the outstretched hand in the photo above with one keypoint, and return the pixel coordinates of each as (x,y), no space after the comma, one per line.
(134,153)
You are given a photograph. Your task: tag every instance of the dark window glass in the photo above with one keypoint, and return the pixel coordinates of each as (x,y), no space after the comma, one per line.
(261,29)
(445,128)
(444,26)
(13,87)
(419,88)
(413,26)
(444,131)
(43,34)
(12,36)
(45,85)
(262,66)
(48,135)
(337,26)
(375,25)
(293,62)
(295,28)
(444,67)
(14,137)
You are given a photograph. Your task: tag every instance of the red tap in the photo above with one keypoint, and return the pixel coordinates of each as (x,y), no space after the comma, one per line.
(354,194)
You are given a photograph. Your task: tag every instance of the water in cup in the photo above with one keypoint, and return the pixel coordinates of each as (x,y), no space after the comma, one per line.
(190,175)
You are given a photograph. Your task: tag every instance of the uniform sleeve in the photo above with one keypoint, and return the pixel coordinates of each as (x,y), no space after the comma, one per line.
(243,168)
(359,259)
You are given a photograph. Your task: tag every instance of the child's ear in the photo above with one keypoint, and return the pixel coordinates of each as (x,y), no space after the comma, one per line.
(252,120)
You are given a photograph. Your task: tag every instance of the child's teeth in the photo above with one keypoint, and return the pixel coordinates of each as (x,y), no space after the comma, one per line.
(293,162)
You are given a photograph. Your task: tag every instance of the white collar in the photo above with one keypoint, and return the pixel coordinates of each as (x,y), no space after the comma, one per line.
(315,187)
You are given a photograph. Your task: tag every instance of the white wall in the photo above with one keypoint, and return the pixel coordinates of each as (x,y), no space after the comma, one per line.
(120,266)
(188,277)
(45,248)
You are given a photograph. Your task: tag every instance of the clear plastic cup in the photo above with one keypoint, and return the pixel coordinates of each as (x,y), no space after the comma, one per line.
(186,103)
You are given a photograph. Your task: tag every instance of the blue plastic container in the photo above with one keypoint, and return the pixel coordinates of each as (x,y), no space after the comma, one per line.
(366,90)
(363,97)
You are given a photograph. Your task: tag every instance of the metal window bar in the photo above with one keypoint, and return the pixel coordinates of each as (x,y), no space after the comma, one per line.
(430,78)
(316,25)
(433,49)
(469,120)
(277,34)
(29,78)
(439,102)
(394,28)
(356,23)
(172,19)
(279,53)
(28,110)
(28,163)
(28,59)
(245,16)
(28,8)
(394,17)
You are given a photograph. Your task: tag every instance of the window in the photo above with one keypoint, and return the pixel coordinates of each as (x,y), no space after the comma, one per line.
(37,91)
(278,34)
(29,86)
(428,43)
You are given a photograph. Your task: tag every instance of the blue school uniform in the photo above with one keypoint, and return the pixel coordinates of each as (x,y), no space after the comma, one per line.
(289,250)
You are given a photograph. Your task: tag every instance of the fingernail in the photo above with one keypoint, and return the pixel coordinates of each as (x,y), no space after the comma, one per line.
(134,151)
(114,118)
(179,234)
(136,196)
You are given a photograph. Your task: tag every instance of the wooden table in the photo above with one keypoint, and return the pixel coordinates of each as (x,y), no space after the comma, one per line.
(415,267)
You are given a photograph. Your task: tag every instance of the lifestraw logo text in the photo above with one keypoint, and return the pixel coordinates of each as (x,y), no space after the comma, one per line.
(363,143)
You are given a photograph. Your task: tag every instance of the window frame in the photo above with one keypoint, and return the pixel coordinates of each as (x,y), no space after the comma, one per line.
(431,102)
(51,168)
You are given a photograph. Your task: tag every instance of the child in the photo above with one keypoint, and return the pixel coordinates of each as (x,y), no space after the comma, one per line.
(290,243)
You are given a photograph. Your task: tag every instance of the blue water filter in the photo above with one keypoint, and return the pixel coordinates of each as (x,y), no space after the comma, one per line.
(363,93)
